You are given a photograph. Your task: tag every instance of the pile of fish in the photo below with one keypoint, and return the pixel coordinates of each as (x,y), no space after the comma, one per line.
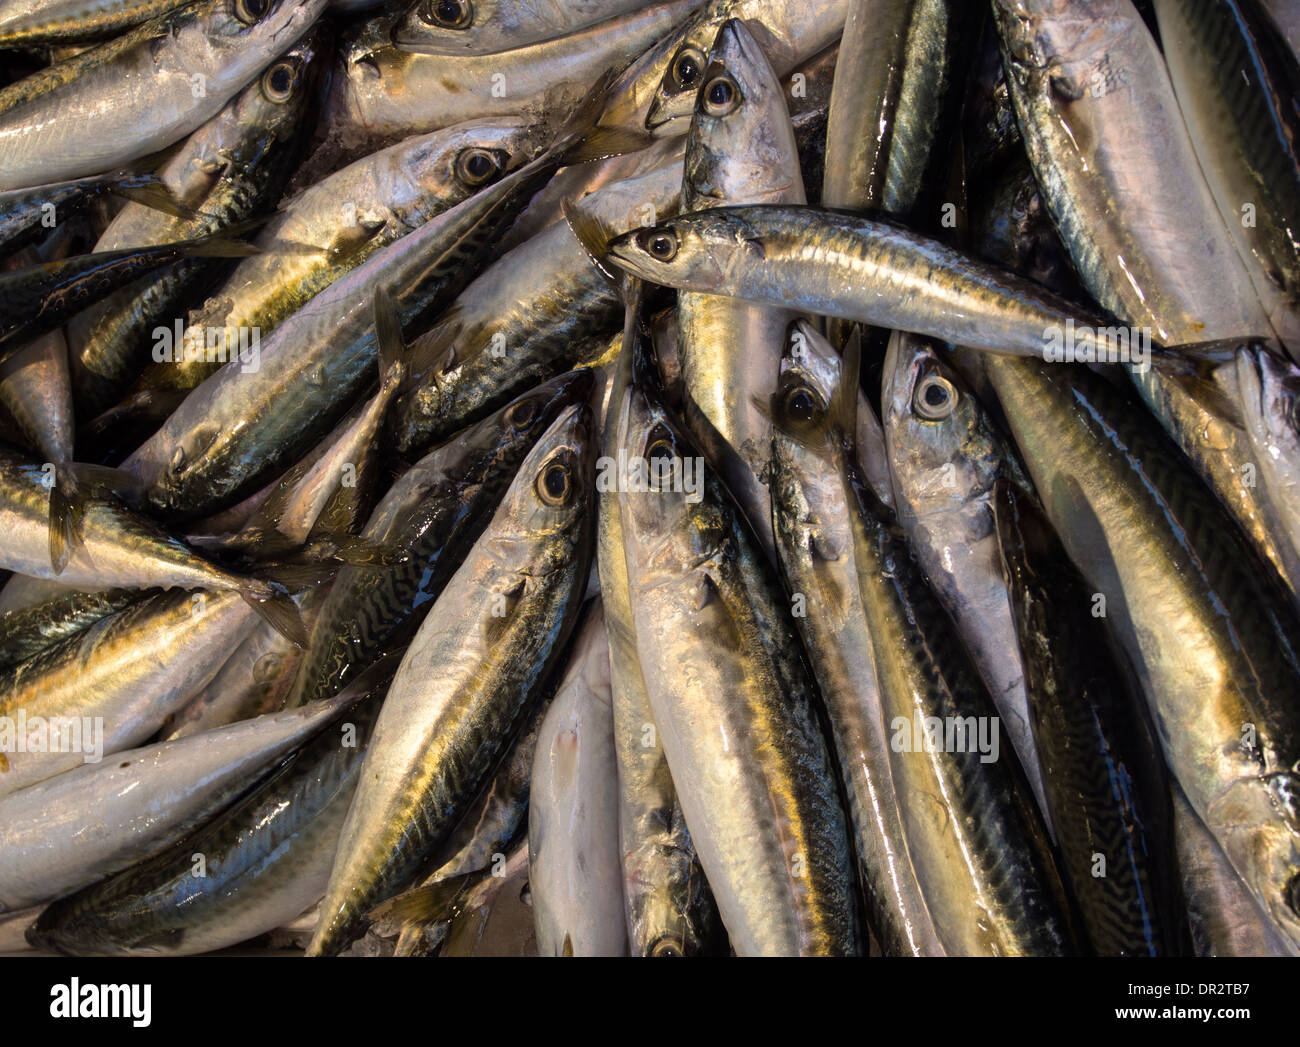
(650,477)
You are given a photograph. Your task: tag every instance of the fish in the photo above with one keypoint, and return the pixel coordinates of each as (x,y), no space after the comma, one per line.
(667,909)
(732,698)
(1106,784)
(574,853)
(1236,86)
(40,23)
(27,631)
(425,525)
(740,150)
(265,859)
(117,547)
(98,819)
(1211,633)
(836,264)
(487,27)
(110,687)
(235,430)
(813,523)
(945,457)
(345,218)
(1114,161)
(537,311)
(471,673)
(142,91)
(382,93)
(226,172)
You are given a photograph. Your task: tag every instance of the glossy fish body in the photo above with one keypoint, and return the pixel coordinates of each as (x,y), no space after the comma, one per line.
(383,93)
(1106,783)
(740,150)
(235,429)
(1212,636)
(137,91)
(98,819)
(112,686)
(469,678)
(486,27)
(347,216)
(538,310)
(663,885)
(814,533)
(25,631)
(945,457)
(230,168)
(835,264)
(267,861)
(426,523)
(1238,88)
(574,856)
(1115,163)
(733,702)
(39,23)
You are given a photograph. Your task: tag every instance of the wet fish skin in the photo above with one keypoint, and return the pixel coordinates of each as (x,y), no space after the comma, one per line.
(39,23)
(813,525)
(945,457)
(733,703)
(834,264)
(97,819)
(538,309)
(1212,636)
(574,854)
(427,522)
(27,631)
(1269,391)
(127,673)
(383,93)
(1247,138)
(740,152)
(137,90)
(1106,783)
(267,861)
(1224,918)
(485,27)
(227,171)
(1113,159)
(665,894)
(349,215)
(468,678)
(233,431)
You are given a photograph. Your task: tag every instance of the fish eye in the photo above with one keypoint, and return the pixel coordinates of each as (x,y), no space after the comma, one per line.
(475,167)
(720,96)
(802,404)
(279,81)
(521,415)
(687,68)
(935,398)
(251,11)
(665,947)
(447,14)
(555,485)
(659,244)
(660,456)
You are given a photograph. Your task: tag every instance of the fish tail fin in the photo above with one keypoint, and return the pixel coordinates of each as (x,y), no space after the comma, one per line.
(67,518)
(391,349)
(278,610)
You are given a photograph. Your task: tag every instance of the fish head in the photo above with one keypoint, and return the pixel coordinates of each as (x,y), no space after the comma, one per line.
(695,252)
(551,496)
(276,100)
(446,27)
(685,60)
(1270,400)
(457,162)
(809,442)
(240,24)
(944,452)
(741,145)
